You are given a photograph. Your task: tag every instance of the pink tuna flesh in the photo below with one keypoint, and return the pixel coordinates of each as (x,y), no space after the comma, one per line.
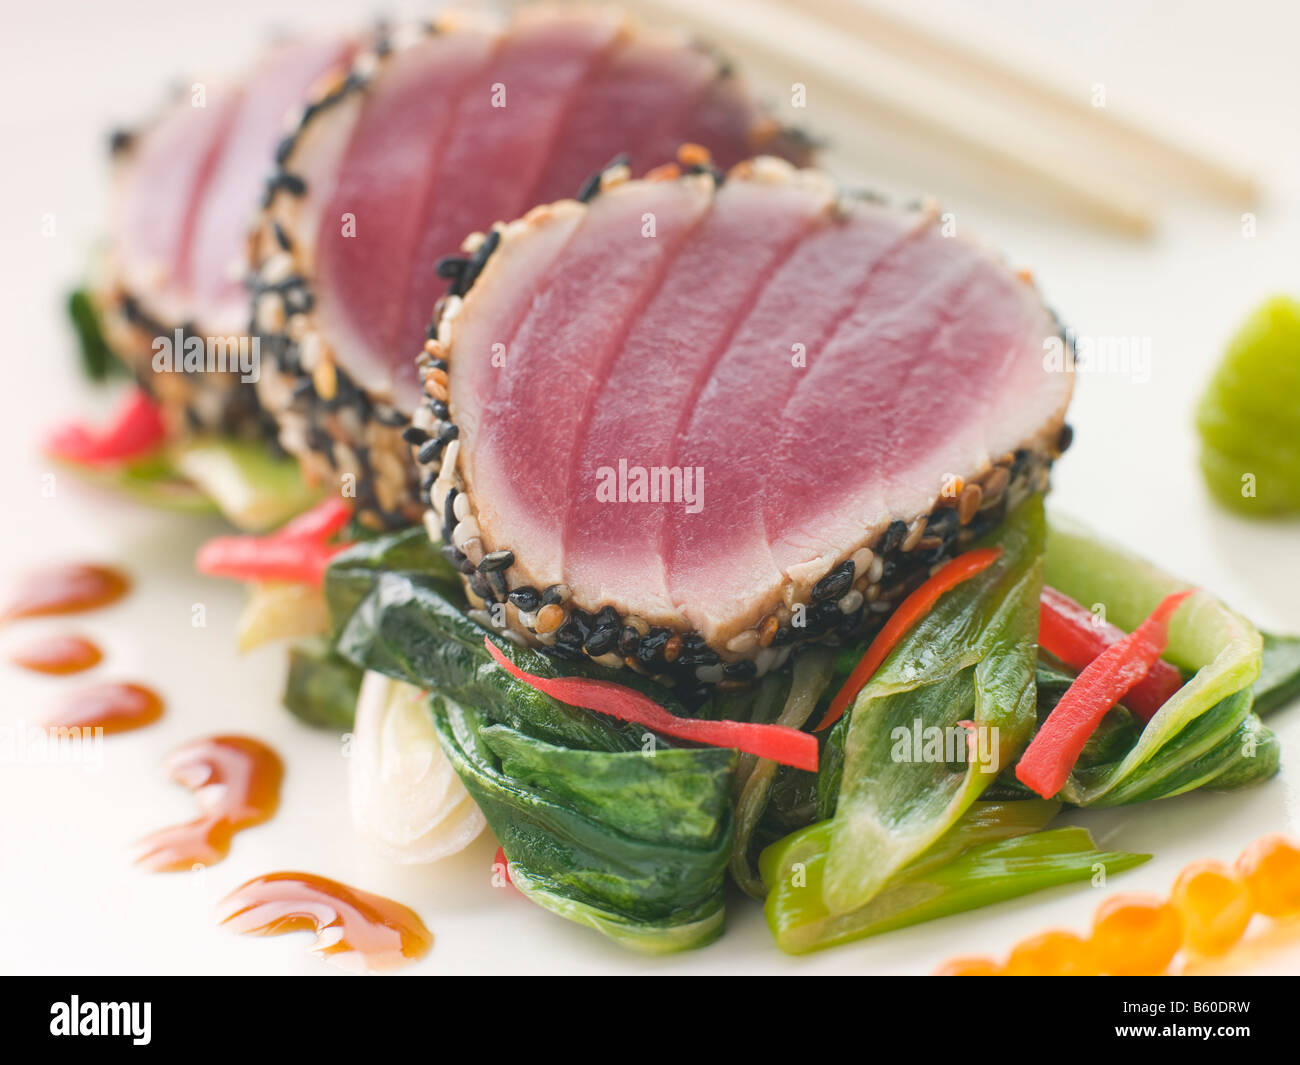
(472,127)
(192,190)
(827,368)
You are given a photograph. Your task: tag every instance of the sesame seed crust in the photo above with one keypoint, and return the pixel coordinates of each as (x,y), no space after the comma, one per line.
(192,403)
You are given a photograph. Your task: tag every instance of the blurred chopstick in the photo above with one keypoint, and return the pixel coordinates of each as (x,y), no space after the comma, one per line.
(819,55)
(1144,149)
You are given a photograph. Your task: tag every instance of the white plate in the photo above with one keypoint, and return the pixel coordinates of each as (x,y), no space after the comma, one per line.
(71,900)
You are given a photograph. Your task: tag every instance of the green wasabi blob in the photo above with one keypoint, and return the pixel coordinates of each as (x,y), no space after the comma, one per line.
(1249,418)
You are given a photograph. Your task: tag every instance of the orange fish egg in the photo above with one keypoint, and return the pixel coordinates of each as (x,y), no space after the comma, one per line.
(1056,952)
(1135,935)
(1214,904)
(968,965)
(1271,869)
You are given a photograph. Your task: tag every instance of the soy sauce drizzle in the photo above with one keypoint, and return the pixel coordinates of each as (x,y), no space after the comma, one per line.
(71,588)
(354,929)
(114,707)
(236,780)
(58,655)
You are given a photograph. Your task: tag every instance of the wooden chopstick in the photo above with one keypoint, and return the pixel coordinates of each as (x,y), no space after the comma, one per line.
(1143,148)
(834,66)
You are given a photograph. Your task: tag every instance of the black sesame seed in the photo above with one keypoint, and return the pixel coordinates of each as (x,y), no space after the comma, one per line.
(449,432)
(835,583)
(698,656)
(551,595)
(942,522)
(893,538)
(651,645)
(450,267)
(1020,463)
(601,641)
(628,641)
(285,149)
(526,599)
(429,451)
(449,516)
(572,635)
(439,409)
(469,275)
(824,615)
(291,183)
(414,435)
(478,584)
(1066,438)
(497,560)
(588,189)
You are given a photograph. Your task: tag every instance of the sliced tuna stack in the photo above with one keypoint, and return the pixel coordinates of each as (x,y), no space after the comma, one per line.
(187,195)
(694,421)
(437,135)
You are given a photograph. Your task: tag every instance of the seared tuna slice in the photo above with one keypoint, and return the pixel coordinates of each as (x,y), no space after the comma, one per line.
(187,194)
(692,422)
(438,135)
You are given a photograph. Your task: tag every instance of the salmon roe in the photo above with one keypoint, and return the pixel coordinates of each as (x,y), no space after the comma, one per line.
(968,965)
(1056,952)
(1214,904)
(1135,935)
(1271,869)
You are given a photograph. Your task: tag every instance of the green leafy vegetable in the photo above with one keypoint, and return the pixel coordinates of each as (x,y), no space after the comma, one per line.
(1206,733)
(254,489)
(971,658)
(153,480)
(996,851)
(1279,673)
(603,822)
(321,687)
(97,358)
(756,778)
(632,843)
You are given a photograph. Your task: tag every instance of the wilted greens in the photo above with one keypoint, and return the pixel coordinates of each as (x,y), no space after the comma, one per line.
(632,834)
(1206,733)
(602,822)
(972,659)
(996,851)
(97,358)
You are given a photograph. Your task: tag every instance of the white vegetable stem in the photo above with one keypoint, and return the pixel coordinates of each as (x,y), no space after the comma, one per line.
(406,798)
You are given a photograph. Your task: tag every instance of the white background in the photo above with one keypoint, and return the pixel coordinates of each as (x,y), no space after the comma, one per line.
(1223,75)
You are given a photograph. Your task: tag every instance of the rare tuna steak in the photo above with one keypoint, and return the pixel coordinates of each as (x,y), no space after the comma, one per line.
(186,200)
(439,134)
(690,422)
